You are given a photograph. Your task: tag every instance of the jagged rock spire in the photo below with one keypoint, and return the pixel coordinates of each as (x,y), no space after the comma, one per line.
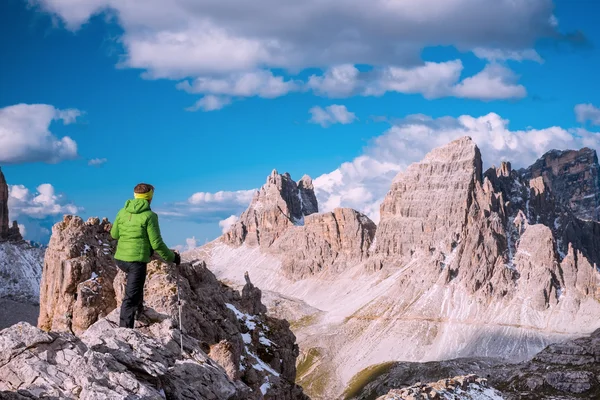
(279,204)
(3,207)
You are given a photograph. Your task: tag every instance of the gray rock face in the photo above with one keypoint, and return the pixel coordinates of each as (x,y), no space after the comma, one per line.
(327,242)
(278,205)
(20,271)
(569,370)
(573,177)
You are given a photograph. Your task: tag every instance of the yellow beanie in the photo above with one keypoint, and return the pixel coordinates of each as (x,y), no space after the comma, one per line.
(146,196)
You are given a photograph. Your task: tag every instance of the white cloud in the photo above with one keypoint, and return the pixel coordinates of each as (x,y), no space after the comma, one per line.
(230,49)
(190,244)
(494,82)
(210,207)
(240,197)
(227,223)
(431,79)
(363,182)
(494,55)
(247,84)
(333,114)
(176,38)
(587,112)
(38,205)
(338,81)
(210,103)
(25,134)
(97,161)
(22,230)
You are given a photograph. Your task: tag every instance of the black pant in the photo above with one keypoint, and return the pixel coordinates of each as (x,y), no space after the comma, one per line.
(134,291)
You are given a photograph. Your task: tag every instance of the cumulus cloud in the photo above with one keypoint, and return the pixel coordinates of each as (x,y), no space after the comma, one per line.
(210,103)
(363,182)
(25,134)
(494,55)
(210,207)
(97,161)
(230,49)
(494,82)
(227,223)
(42,203)
(37,210)
(247,84)
(190,244)
(432,80)
(333,114)
(185,38)
(587,112)
(337,81)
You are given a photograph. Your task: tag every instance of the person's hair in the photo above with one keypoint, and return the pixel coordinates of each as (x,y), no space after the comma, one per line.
(143,188)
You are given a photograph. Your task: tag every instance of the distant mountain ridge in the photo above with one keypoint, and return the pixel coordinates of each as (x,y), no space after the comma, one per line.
(20,261)
(463,263)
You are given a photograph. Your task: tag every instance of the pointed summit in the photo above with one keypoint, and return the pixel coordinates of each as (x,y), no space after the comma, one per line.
(279,204)
(4,225)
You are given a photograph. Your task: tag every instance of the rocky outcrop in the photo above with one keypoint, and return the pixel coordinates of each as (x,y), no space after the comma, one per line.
(468,387)
(232,349)
(278,205)
(3,206)
(233,329)
(7,231)
(573,177)
(568,370)
(76,288)
(326,242)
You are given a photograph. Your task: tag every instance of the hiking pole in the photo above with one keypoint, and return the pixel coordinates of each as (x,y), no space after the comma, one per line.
(179,306)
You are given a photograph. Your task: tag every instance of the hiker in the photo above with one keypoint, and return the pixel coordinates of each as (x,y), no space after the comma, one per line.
(136,229)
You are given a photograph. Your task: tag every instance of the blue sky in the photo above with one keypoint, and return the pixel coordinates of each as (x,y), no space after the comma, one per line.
(120,81)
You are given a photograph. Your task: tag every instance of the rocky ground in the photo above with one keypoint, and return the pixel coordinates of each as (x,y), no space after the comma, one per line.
(569,370)
(232,349)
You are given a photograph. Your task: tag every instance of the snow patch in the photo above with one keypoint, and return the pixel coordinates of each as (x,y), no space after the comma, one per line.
(265,386)
(261,365)
(246,318)
(246,337)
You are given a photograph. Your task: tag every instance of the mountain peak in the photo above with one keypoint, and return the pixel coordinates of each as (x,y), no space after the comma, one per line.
(277,205)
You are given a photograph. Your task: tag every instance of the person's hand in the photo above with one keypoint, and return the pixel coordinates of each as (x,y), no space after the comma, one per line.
(177,259)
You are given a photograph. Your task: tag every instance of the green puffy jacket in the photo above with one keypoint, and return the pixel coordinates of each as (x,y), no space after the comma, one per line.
(136,229)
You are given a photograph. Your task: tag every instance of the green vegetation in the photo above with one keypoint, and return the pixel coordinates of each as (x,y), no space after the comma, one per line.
(364,377)
(303,322)
(309,376)
(307,361)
